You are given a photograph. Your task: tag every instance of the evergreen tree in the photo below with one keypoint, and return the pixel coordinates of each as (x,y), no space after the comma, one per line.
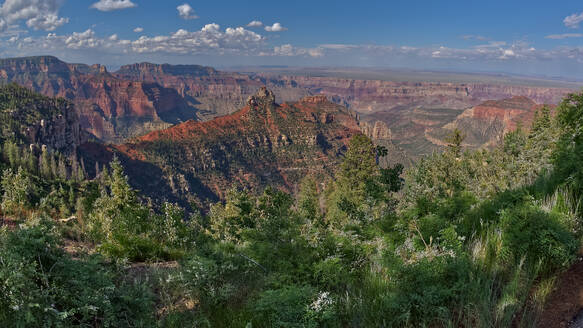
(54,168)
(32,162)
(62,168)
(308,200)
(45,163)
(455,140)
(18,191)
(12,153)
(349,196)
(121,191)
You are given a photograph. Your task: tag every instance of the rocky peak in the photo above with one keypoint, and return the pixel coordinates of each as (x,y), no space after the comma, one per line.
(376,131)
(263,97)
(99,68)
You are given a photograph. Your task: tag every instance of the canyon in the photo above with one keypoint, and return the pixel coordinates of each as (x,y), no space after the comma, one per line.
(144,97)
(262,144)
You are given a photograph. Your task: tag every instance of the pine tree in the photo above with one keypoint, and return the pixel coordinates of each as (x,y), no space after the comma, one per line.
(308,199)
(359,164)
(45,163)
(455,140)
(120,188)
(32,162)
(54,168)
(62,168)
(12,152)
(74,167)
(83,172)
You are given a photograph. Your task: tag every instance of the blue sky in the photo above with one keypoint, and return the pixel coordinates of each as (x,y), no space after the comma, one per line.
(522,37)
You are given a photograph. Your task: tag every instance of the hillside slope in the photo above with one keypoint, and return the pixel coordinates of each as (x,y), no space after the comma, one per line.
(262,144)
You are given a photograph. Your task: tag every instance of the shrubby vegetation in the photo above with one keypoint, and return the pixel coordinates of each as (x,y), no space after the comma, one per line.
(463,238)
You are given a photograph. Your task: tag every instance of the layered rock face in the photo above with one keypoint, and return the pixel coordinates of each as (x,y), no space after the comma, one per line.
(212,92)
(261,144)
(145,97)
(370,96)
(485,125)
(110,108)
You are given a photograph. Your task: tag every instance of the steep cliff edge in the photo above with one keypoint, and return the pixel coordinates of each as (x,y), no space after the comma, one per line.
(110,108)
(486,124)
(212,92)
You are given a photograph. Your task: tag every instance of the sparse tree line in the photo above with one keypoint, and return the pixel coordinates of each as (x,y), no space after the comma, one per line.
(463,238)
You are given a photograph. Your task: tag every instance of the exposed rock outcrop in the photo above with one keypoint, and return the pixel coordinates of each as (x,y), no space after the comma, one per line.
(486,124)
(377,130)
(261,144)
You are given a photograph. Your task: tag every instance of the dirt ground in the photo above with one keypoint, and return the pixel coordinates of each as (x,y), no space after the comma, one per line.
(564,307)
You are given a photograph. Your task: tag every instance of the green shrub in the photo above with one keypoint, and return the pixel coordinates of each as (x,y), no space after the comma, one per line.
(40,285)
(529,232)
(294,306)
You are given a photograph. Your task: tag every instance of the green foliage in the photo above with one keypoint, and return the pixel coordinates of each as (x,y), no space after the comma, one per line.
(40,285)
(125,228)
(218,277)
(294,306)
(529,232)
(19,191)
(569,153)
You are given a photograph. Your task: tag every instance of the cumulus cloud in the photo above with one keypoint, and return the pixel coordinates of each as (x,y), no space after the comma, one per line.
(209,39)
(139,29)
(573,21)
(83,40)
(110,5)
(216,41)
(255,23)
(185,11)
(38,14)
(564,36)
(276,27)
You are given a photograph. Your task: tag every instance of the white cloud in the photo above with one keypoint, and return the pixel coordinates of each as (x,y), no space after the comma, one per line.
(139,29)
(573,21)
(38,14)
(277,27)
(255,23)
(210,39)
(564,36)
(186,12)
(289,50)
(82,40)
(216,41)
(338,46)
(109,5)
